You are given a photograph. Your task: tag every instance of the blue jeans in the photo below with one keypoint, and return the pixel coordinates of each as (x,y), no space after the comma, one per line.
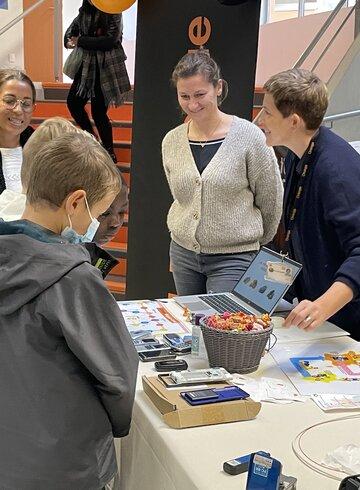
(204,273)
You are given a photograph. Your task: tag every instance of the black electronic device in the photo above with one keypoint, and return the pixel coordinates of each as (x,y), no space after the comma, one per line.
(149,340)
(150,347)
(201,395)
(238,465)
(140,334)
(350,483)
(156,355)
(171,365)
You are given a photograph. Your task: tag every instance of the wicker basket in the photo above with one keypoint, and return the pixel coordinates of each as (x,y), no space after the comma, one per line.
(236,352)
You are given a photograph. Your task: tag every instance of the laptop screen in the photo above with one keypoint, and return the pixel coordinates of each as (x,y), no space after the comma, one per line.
(257,291)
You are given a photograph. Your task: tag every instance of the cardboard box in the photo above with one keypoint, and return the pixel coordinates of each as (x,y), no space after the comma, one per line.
(177,413)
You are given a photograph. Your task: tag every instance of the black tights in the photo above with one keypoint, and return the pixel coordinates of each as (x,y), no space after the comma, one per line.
(76,105)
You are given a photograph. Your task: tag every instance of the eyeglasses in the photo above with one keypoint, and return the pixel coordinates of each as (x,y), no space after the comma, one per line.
(11,102)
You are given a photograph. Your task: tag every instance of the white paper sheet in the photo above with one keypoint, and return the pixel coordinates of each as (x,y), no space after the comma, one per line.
(294,334)
(337,402)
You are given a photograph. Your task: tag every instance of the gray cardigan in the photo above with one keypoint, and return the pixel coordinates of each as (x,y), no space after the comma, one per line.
(235,205)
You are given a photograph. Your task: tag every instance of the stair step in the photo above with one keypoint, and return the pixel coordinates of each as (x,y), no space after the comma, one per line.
(120,269)
(45,109)
(116,284)
(126,177)
(121,129)
(115,124)
(123,154)
(121,236)
(124,167)
(117,249)
(58,91)
(122,144)
(122,133)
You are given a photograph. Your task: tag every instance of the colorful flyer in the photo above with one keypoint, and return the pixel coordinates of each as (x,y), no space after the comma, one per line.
(321,367)
(152,315)
(329,367)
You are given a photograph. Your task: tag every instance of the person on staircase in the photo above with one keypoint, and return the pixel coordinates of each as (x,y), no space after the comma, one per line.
(225,183)
(102,77)
(17,100)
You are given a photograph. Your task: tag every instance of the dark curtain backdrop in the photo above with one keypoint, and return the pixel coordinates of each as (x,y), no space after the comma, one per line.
(162,38)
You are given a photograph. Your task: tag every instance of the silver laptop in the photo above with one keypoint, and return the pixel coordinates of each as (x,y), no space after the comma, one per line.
(253,294)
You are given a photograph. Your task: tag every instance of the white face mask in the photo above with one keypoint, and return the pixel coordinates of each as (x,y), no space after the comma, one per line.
(73,236)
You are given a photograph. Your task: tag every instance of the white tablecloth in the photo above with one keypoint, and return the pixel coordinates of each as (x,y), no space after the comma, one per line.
(156,457)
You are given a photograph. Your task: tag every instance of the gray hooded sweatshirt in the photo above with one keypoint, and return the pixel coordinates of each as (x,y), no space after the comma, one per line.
(67,367)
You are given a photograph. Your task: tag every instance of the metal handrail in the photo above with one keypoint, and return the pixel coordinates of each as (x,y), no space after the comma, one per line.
(338,30)
(57,40)
(20,17)
(57,32)
(319,34)
(342,115)
(317,38)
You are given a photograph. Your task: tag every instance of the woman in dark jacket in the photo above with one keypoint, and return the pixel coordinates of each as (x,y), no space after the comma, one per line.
(17,99)
(102,77)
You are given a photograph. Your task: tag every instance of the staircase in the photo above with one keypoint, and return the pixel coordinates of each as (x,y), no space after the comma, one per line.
(54,104)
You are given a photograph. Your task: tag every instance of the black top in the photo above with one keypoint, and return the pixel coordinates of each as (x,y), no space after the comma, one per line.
(96,33)
(203,153)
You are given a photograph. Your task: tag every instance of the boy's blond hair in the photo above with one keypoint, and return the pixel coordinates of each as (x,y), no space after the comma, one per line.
(46,131)
(68,163)
(301,92)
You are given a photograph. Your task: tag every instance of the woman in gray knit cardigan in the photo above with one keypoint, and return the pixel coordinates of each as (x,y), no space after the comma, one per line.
(224,180)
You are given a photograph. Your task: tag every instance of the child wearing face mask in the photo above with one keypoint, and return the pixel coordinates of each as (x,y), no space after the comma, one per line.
(68,363)
(12,203)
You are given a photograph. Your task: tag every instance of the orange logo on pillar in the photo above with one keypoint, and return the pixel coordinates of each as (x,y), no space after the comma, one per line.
(199,31)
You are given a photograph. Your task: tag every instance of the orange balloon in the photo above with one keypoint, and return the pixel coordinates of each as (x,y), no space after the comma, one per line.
(112,6)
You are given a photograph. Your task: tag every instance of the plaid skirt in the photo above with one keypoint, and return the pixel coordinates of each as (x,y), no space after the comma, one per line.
(114,79)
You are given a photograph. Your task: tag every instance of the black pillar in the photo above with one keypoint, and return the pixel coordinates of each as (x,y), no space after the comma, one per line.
(166,30)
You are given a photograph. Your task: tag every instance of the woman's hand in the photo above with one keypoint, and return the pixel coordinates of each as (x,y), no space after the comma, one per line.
(307,315)
(72,42)
(311,314)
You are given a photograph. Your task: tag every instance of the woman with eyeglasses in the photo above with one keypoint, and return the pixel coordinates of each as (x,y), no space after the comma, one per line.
(17,99)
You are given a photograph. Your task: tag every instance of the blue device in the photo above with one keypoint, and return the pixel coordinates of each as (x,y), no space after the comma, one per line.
(214,395)
(264,472)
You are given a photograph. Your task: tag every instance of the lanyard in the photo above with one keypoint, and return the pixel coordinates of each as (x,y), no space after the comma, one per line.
(298,194)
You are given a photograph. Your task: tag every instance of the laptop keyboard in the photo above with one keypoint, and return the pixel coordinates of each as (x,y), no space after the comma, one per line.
(222,303)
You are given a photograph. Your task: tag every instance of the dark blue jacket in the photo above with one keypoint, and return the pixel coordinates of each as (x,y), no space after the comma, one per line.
(326,235)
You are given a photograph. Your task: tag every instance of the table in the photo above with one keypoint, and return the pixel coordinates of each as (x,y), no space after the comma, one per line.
(156,457)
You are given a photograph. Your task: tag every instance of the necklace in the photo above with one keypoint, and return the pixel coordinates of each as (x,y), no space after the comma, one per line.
(203,142)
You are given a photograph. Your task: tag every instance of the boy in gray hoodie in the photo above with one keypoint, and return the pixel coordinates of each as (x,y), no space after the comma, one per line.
(67,363)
